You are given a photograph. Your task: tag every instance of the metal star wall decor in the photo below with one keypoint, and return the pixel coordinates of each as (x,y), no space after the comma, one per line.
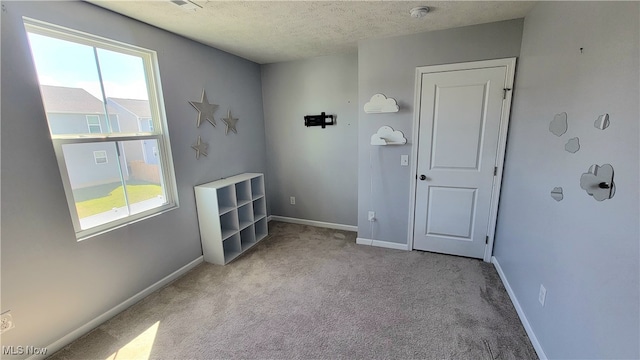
(230,122)
(205,110)
(200,148)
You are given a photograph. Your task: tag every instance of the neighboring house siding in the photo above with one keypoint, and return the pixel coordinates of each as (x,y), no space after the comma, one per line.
(115,122)
(136,114)
(68,123)
(77,123)
(129,124)
(128,121)
(83,170)
(133,150)
(150,152)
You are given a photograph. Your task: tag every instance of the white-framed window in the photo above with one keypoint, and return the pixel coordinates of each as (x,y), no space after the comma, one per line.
(93,123)
(150,122)
(78,73)
(100,157)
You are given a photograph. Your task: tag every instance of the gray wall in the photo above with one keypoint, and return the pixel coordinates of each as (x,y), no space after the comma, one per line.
(317,166)
(53,284)
(584,252)
(388,66)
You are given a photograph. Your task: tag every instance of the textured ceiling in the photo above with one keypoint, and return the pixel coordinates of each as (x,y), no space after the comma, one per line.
(273,31)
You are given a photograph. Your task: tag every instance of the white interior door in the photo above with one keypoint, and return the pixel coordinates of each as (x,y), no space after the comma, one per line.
(460,113)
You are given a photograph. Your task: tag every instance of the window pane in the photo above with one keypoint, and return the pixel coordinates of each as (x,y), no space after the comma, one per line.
(125,86)
(144,175)
(69,84)
(94,174)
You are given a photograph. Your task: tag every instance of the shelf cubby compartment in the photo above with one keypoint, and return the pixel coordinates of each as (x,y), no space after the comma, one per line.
(229,224)
(259,209)
(257,187)
(243,192)
(226,199)
(245,216)
(232,247)
(247,238)
(261,229)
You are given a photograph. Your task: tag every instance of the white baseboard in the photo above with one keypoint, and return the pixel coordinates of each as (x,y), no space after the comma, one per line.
(70,337)
(383,244)
(313,223)
(523,318)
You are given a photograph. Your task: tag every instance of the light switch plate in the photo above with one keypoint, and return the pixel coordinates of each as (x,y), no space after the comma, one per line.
(404,160)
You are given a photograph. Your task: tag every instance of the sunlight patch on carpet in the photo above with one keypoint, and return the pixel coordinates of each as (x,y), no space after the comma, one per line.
(138,348)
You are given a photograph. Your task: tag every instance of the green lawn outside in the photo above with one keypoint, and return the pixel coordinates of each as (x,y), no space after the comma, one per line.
(99,199)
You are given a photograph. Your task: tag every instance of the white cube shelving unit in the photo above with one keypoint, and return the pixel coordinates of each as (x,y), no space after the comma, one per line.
(232,214)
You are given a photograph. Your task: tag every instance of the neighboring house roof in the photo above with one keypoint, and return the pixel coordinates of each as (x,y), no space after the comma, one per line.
(139,108)
(59,99)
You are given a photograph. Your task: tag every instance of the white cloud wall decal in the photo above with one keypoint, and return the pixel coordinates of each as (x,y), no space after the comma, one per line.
(387,136)
(379,103)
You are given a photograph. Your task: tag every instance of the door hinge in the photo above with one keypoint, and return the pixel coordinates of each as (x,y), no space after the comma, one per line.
(495,170)
(504,93)
(486,239)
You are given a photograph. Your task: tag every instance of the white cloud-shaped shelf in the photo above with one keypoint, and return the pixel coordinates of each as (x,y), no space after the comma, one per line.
(387,136)
(381,104)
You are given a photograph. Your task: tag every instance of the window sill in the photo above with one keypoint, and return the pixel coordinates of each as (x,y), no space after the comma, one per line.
(87,234)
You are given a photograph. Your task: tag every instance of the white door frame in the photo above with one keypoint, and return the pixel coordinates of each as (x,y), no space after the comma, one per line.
(510,64)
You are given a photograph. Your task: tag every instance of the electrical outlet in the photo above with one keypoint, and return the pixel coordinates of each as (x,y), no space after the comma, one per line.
(372,216)
(292,200)
(542,295)
(6,322)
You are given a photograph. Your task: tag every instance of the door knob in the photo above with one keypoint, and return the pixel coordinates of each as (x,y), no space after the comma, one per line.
(423,177)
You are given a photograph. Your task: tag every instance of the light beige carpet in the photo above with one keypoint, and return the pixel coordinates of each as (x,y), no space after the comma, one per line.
(312,293)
